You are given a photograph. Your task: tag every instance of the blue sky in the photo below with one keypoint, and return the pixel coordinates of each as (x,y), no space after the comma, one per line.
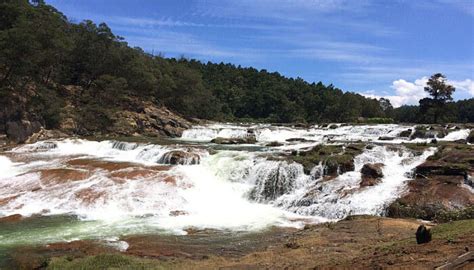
(375,47)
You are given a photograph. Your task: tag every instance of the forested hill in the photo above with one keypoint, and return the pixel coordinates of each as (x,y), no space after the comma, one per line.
(52,69)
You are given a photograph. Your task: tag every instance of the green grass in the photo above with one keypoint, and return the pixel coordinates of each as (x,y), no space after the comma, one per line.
(452,230)
(105,262)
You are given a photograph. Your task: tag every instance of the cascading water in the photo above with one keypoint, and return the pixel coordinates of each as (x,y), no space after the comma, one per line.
(343,195)
(118,188)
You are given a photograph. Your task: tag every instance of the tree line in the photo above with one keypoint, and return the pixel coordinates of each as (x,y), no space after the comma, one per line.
(41,51)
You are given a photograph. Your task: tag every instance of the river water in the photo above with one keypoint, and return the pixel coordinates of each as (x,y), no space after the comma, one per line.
(74,189)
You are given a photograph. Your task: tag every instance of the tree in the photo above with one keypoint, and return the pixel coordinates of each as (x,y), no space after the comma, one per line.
(440,92)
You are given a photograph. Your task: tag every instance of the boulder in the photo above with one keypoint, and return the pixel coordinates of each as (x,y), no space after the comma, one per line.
(178,157)
(470,138)
(20,131)
(371,174)
(338,164)
(423,235)
(373,170)
(434,167)
(427,134)
(247,140)
(46,134)
(386,138)
(405,133)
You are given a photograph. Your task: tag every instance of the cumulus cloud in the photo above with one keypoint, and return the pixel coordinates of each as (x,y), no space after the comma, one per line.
(409,93)
(466,85)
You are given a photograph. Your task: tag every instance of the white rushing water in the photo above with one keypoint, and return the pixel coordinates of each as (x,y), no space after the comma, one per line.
(264,133)
(120,188)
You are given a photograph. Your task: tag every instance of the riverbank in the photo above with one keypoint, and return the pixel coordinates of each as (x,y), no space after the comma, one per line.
(356,242)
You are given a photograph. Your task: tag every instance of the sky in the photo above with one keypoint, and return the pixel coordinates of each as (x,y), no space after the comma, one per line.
(379,48)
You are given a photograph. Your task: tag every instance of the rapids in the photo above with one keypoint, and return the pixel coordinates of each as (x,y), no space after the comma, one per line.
(82,189)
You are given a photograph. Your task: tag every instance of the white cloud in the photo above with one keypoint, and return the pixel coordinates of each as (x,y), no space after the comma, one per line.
(466,85)
(409,93)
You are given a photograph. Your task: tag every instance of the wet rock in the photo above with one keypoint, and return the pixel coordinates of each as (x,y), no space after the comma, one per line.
(423,235)
(469,180)
(11,218)
(274,144)
(299,140)
(405,133)
(20,131)
(335,158)
(176,213)
(275,180)
(124,146)
(178,157)
(434,167)
(470,138)
(62,175)
(45,134)
(423,134)
(371,174)
(46,145)
(333,126)
(372,170)
(386,138)
(339,164)
(220,140)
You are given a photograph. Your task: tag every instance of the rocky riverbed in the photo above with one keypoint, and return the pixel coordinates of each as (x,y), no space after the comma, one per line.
(239,196)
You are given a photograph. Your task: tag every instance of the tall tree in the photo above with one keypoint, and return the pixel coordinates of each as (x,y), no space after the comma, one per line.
(440,91)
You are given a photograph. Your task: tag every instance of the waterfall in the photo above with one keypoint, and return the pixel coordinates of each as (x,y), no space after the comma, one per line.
(343,196)
(143,186)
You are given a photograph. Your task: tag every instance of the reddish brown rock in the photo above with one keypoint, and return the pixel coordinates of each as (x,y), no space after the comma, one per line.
(50,176)
(89,195)
(11,218)
(177,157)
(371,174)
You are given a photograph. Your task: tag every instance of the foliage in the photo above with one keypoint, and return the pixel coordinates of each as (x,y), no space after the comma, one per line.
(41,52)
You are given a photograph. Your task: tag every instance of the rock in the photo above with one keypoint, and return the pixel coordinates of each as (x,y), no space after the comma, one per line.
(405,133)
(332,126)
(299,140)
(339,164)
(469,180)
(147,119)
(369,181)
(220,140)
(427,198)
(292,245)
(45,134)
(46,145)
(274,144)
(423,235)
(470,138)
(19,131)
(11,218)
(177,157)
(373,170)
(386,138)
(371,174)
(370,146)
(435,167)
